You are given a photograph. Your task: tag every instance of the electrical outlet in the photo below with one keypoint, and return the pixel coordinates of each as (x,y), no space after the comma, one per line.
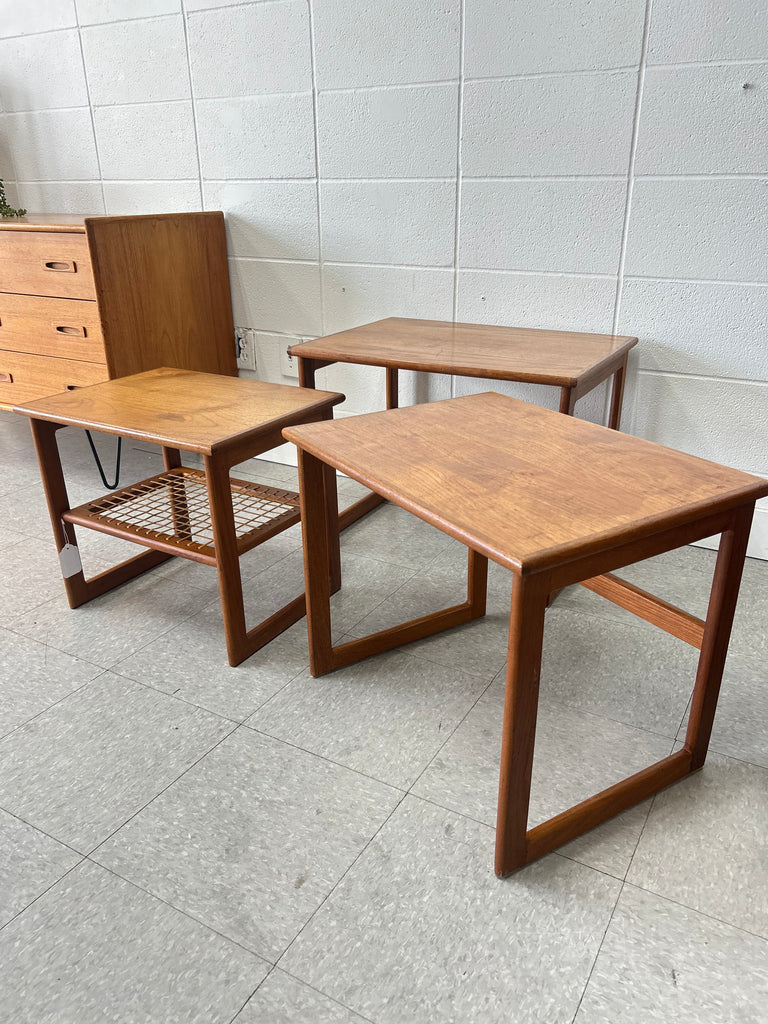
(288,365)
(245,348)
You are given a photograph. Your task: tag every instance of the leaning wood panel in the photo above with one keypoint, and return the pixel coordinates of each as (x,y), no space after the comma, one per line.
(162,286)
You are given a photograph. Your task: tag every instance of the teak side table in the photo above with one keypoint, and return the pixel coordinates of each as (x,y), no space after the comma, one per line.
(198,514)
(573,362)
(557,501)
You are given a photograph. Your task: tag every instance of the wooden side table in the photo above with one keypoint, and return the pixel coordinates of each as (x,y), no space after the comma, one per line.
(557,501)
(573,362)
(198,514)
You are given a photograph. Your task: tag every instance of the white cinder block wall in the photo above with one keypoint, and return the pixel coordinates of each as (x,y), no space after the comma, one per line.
(595,165)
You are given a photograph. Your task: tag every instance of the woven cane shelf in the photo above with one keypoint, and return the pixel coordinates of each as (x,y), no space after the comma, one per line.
(171,512)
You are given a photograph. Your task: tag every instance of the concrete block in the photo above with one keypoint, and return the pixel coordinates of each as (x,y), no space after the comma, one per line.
(699,229)
(541,301)
(52,145)
(398,222)
(721,420)
(359,295)
(532,36)
(136,61)
(96,12)
(42,72)
(257,137)
(275,219)
(252,49)
(362,42)
(716,330)
(557,303)
(701,120)
(275,296)
(699,30)
(570,124)
(81,197)
(150,141)
(363,386)
(388,133)
(565,226)
(136,197)
(22,19)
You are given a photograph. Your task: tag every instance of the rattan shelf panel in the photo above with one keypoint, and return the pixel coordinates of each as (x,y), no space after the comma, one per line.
(171,510)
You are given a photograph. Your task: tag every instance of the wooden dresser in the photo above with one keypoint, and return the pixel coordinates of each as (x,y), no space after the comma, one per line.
(85,299)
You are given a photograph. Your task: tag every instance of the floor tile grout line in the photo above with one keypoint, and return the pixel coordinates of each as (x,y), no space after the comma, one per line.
(45,891)
(44,711)
(177,910)
(173,782)
(696,910)
(447,739)
(597,954)
(362,1016)
(268,975)
(341,878)
(314,988)
(29,824)
(325,757)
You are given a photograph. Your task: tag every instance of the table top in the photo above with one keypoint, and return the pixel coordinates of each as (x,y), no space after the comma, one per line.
(559,358)
(198,412)
(525,486)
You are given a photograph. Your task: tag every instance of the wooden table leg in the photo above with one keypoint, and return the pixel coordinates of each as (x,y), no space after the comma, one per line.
(44,435)
(332,526)
(241,642)
(79,590)
(227,557)
(526,635)
(178,500)
(477,582)
(567,400)
(567,405)
(617,396)
(361,508)
(306,372)
(516,847)
(317,582)
(393,398)
(717,633)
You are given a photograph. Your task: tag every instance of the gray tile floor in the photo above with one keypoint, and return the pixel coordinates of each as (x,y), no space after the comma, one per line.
(185,842)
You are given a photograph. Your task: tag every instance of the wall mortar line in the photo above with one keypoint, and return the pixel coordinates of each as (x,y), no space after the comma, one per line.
(630,188)
(457,197)
(318,197)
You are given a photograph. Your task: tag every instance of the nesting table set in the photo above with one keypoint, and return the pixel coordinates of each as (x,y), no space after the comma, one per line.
(554,499)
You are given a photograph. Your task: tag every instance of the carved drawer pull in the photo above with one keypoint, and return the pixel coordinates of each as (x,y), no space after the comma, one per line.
(73,332)
(6,378)
(60,266)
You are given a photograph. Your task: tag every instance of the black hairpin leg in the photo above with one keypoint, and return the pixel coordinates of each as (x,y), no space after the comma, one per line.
(109,486)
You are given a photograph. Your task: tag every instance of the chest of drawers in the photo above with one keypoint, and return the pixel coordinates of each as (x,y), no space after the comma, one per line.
(87,299)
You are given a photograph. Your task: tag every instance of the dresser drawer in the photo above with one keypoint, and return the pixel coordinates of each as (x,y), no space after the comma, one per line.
(24,377)
(46,263)
(67,328)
